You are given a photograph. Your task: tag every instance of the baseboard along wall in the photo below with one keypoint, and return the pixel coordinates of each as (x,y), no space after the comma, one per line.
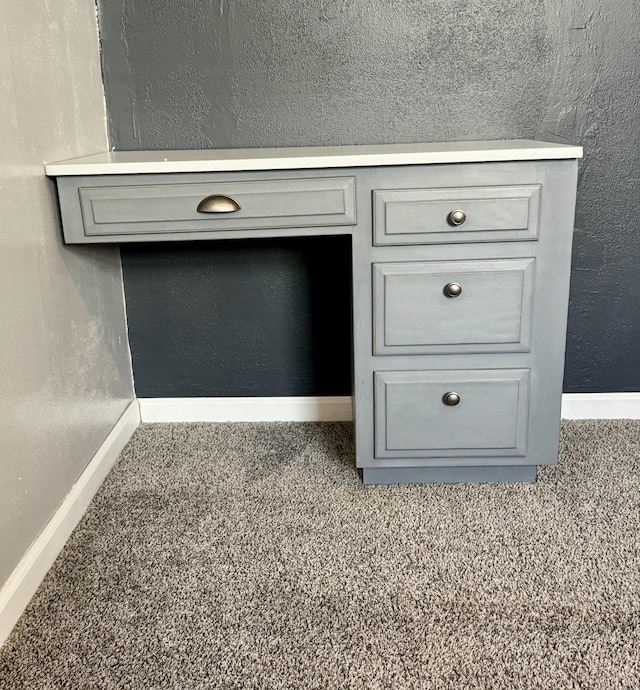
(286,409)
(29,573)
(601,406)
(339,409)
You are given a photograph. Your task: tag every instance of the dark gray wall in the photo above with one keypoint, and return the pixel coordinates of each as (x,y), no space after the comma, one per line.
(239,317)
(223,73)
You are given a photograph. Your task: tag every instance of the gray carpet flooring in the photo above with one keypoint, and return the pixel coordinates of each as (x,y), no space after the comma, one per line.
(250,556)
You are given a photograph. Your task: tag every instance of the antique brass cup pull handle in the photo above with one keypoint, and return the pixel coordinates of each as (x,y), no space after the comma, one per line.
(451,399)
(217,203)
(456,218)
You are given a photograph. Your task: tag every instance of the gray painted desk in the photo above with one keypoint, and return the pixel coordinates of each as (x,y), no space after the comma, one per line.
(461,261)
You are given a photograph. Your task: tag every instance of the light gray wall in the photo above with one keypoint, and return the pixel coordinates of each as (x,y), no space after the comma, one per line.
(64,365)
(217,73)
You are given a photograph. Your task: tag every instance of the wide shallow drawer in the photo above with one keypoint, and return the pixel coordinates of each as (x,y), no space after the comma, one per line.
(412,418)
(465,214)
(170,208)
(453,306)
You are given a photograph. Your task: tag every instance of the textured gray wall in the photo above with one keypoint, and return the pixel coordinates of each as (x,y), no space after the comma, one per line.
(65,376)
(240,318)
(225,73)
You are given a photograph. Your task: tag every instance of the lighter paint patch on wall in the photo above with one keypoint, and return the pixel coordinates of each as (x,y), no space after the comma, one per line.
(567,118)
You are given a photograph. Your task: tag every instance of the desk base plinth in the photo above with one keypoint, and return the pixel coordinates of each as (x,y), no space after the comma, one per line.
(450,475)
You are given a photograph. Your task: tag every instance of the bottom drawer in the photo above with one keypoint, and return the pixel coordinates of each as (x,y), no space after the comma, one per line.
(451,413)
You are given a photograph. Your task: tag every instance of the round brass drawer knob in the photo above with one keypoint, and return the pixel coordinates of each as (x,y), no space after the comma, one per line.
(451,399)
(452,290)
(456,218)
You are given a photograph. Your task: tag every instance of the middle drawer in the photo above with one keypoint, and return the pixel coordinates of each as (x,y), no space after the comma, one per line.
(432,307)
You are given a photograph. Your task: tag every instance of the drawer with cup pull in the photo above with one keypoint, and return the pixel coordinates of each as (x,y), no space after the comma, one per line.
(458,413)
(128,211)
(434,307)
(464,214)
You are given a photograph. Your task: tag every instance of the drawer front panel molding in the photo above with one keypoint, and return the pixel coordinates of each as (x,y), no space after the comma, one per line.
(174,207)
(474,214)
(453,306)
(414,418)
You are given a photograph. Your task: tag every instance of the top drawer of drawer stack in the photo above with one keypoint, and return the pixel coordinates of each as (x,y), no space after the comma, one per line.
(148,206)
(456,214)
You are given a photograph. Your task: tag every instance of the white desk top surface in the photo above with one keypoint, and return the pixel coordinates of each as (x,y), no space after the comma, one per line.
(226,160)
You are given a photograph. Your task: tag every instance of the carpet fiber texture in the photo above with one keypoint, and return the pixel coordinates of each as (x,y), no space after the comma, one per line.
(251,556)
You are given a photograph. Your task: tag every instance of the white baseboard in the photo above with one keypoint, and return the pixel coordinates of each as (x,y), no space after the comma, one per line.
(601,406)
(338,408)
(29,573)
(287,409)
